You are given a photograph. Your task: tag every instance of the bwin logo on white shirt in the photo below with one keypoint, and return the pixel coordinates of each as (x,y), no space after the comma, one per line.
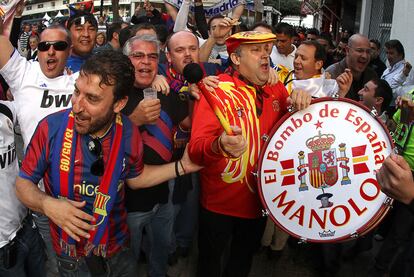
(57,100)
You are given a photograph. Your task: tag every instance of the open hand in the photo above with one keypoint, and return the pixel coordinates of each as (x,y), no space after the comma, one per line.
(68,215)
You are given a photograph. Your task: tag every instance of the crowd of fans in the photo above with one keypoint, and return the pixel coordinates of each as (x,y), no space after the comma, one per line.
(49,69)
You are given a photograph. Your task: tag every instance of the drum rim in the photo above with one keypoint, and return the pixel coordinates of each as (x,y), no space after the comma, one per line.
(369,225)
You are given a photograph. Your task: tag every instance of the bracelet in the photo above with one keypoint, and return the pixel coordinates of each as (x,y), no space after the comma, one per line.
(181,163)
(182,130)
(177,173)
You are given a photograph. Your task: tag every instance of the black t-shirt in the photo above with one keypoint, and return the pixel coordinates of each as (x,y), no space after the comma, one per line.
(143,200)
(378,66)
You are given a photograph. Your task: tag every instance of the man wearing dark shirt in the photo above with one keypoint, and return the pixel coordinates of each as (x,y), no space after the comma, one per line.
(357,58)
(152,15)
(376,62)
(149,208)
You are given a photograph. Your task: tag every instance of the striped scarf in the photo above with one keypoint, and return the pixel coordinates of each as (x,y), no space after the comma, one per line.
(259,89)
(62,179)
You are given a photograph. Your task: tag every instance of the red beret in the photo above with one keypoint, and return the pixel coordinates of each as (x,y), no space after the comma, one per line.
(234,41)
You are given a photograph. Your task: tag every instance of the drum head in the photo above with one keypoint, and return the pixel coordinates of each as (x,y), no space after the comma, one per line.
(316,172)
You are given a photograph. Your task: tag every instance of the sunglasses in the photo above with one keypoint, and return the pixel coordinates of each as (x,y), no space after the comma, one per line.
(57,45)
(97,167)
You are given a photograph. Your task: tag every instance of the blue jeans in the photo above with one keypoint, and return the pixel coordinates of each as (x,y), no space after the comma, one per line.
(158,224)
(42,223)
(30,253)
(122,264)
(186,216)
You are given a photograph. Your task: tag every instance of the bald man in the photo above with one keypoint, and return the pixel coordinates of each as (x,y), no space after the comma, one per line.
(357,59)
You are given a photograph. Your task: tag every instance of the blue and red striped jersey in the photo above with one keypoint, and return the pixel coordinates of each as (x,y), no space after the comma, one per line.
(36,165)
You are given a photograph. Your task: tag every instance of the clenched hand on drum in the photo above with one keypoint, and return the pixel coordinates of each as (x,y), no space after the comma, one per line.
(396,180)
(299,99)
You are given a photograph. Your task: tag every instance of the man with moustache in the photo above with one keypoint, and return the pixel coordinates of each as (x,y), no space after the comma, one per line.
(149,208)
(230,206)
(395,55)
(86,155)
(357,59)
(83,29)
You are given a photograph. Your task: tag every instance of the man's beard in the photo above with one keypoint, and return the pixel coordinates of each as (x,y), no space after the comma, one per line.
(100,124)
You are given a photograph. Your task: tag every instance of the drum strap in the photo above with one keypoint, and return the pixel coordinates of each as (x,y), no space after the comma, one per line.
(287,81)
(6,111)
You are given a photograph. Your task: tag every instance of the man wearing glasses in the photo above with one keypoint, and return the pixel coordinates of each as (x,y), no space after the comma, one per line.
(39,89)
(149,208)
(86,155)
(357,59)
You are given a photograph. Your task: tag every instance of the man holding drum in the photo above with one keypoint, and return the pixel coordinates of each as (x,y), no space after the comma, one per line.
(307,75)
(231,208)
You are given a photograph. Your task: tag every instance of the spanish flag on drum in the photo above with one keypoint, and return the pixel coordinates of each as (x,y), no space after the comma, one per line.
(317,173)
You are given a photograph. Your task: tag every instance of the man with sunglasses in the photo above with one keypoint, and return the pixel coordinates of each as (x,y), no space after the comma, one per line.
(86,155)
(39,89)
(83,29)
(358,54)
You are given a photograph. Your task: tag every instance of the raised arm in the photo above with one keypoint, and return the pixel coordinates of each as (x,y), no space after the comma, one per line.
(237,12)
(200,18)
(5,46)
(17,20)
(171,10)
(218,31)
(182,17)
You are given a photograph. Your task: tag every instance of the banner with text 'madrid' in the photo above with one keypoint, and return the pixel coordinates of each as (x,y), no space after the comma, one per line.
(223,6)
(7,10)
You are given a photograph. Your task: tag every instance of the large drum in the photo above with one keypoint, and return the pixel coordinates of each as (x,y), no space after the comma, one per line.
(317,171)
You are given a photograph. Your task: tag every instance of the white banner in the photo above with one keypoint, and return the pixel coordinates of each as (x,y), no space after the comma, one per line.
(8,7)
(224,6)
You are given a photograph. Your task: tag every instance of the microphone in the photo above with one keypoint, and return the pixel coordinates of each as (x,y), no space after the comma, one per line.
(194,74)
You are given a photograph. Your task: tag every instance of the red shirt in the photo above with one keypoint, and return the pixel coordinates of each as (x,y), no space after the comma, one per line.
(227,185)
